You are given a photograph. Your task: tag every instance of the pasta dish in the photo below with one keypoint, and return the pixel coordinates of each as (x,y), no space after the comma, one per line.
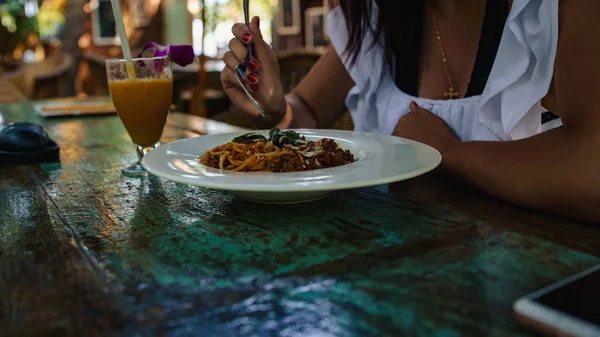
(283,151)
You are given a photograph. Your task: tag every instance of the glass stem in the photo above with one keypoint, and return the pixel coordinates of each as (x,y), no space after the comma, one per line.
(142,150)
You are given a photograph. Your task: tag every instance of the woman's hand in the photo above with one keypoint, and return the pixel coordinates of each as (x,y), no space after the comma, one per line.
(263,73)
(423,126)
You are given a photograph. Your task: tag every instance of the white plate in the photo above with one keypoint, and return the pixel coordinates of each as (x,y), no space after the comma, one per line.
(380,159)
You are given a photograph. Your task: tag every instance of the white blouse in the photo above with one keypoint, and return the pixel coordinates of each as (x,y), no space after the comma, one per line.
(508,109)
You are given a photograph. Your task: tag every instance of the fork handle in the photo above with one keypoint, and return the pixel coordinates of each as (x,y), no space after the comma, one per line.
(247,21)
(247,12)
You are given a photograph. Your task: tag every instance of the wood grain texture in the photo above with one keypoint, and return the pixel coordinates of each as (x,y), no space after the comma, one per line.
(424,257)
(47,285)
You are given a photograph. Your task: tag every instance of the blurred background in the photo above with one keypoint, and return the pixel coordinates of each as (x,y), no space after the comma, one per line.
(57,48)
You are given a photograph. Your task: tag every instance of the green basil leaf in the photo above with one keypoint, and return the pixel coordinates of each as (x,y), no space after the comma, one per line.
(291,134)
(249,138)
(272,132)
(293,137)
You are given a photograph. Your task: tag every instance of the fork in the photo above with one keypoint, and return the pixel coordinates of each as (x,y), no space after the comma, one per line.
(241,70)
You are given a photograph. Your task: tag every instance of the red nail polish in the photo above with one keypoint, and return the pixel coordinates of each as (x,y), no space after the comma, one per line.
(252,78)
(253,65)
(254,87)
(246,37)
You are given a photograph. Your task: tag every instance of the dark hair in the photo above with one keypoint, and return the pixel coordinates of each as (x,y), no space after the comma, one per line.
(398,29)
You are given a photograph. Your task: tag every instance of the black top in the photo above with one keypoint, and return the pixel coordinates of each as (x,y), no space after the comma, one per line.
(496,14)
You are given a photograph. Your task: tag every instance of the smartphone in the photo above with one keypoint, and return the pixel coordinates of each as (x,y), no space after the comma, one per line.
(568,308)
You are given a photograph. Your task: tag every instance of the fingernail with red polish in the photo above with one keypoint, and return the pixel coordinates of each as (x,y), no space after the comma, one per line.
(254,87)
(246,37)
(413,105)
(252,78)
(253,65)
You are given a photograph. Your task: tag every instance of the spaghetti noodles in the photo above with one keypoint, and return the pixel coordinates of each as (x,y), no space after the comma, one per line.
(280,153)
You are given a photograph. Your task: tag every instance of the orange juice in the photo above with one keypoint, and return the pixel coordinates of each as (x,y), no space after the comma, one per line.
(143,106)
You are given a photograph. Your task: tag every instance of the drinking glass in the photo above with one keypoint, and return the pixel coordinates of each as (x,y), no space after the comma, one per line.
(142,101)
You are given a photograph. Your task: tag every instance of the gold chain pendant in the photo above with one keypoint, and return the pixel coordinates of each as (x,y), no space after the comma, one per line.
(451,94)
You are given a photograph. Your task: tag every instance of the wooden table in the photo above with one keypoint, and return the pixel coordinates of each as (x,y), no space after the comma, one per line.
(85,251)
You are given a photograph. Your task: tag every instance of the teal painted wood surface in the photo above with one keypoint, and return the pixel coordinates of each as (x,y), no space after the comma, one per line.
(85,251)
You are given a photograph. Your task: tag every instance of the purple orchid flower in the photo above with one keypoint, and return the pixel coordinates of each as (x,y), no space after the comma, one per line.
(182,54)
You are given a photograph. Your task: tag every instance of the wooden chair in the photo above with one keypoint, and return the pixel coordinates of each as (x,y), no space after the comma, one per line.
(295,65)
(17,78)
(344,123)
(10,92)
(97,68)
(49,78)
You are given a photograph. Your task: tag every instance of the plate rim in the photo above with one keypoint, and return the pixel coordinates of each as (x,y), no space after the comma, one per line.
(286,188)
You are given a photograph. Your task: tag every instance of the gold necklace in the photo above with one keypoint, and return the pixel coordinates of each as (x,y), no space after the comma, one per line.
(451,93)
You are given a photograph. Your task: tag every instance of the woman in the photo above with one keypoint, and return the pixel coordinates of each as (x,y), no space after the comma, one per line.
(474,79)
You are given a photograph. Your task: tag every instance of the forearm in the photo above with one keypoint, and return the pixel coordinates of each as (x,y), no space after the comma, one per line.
(559,170)
(319,99)
(295,114)
(551,171)
(298,115)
